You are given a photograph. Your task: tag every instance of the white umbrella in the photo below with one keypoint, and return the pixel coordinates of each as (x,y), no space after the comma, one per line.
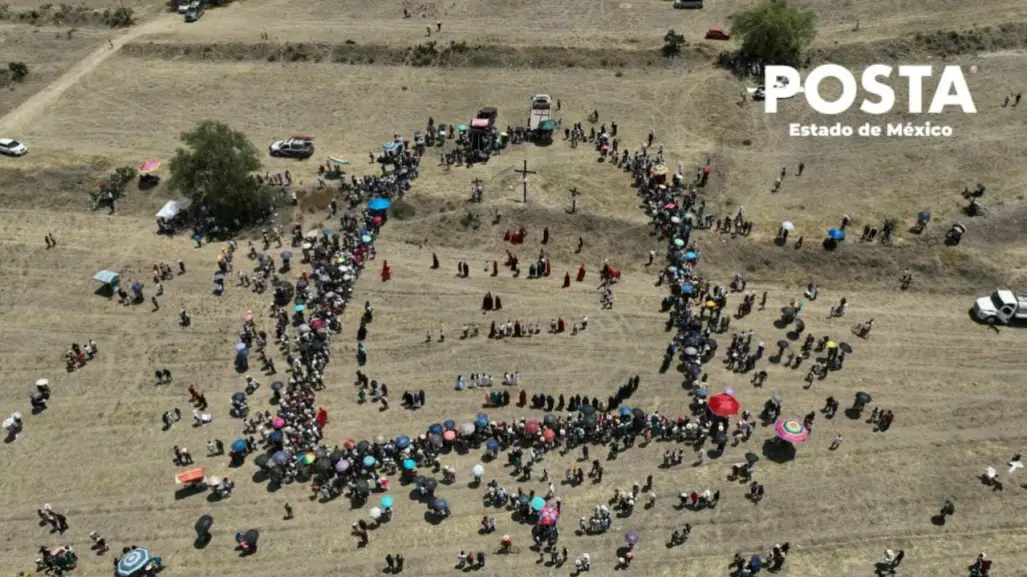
(8,424)
(1014,465)
(787,225)
(478,470)
(43,383)
(376,513)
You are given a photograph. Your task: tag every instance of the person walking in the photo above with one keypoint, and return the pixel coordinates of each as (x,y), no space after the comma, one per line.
(836,442)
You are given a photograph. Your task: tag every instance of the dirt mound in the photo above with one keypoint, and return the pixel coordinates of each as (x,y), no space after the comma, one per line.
(454,54)
(943,43)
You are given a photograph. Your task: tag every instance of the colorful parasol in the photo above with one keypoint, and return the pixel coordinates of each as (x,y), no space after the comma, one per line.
(337,160)
(307,458)
(548,516)
(791,430)
(149,166)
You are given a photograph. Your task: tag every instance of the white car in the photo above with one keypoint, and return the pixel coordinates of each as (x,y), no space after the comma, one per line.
(12,147)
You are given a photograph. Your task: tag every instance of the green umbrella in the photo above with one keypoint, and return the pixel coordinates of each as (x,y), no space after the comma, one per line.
(752,458)
(462,128)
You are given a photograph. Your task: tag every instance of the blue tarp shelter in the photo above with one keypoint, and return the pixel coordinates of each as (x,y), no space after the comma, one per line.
(107,277)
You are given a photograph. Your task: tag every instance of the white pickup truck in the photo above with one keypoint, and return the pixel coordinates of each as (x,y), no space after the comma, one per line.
(1002,307)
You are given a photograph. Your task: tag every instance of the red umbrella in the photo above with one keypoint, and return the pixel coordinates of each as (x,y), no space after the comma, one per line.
(724,405)
(531,427)
(548,434)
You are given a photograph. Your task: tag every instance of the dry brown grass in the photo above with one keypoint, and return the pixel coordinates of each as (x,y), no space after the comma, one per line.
(954,386)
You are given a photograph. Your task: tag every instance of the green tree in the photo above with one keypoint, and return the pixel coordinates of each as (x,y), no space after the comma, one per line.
(216,170)
(672,43)
(19,70)
(774,31)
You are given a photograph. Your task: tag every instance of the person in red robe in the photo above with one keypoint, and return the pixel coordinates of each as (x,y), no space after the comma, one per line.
(566,279)
(581,273)
(492,330)
(507,236)
(522,398)
(322,417)
(549,267)
(467,270)
(517,328)
(498,304)
(460,269)
(486,303)
(434,260)
(559,325)
(386,271)
(495,268)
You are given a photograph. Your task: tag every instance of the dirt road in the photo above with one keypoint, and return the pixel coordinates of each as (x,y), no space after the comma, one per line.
(18,119)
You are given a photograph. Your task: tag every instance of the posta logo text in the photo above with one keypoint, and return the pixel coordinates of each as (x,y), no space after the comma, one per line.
(781,82)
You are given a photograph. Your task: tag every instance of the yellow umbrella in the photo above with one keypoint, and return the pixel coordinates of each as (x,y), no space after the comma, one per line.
(832,345)
(711,304)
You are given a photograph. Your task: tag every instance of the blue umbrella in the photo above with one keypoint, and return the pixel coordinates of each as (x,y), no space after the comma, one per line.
(276,386)
(243,353)
(239,445)
(688,288)
(836,234)
(440,504)
(436,429)
(133,562)
(369,462)
(137,287)
(275,436)
(492,445)
(326,231)
(449,425)
(386,502)
(366,239)
(239,397)
(300,308)
(287,255)
(625,411)
(240,347)
(402,442)
(537,504)
(379,203)
(691,255)
(280,458)
(755,562)
(409,464)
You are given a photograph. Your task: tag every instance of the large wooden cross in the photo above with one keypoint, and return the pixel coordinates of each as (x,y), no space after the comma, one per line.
(524,172)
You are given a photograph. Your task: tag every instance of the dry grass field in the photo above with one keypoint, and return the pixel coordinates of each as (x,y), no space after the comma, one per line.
(98,453)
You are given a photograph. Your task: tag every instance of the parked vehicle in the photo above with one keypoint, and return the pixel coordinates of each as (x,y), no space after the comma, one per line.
(194,12)
(717,33)
(541,111)
(11,147)
(688,4)
(293,147)
(1002,307)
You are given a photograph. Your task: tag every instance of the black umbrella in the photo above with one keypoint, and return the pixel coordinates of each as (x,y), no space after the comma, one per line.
(336,456)
(587,410)
(262,461)
(800,325)
(239,397)
(430,484)
(846,348)
(863,398)
(638,414)
(36,396)
(752,458)
(549,419)
(782,344)
(323,465)
(203,525)
(250,537)
(362,487)
(363,447)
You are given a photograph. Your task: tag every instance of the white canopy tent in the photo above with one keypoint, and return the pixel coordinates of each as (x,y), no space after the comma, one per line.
(170,210)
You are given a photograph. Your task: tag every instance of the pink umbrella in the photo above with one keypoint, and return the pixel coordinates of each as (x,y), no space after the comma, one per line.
(791,430)
(531,427)
(149,166)
(670,206)
(449,435)
(278,423)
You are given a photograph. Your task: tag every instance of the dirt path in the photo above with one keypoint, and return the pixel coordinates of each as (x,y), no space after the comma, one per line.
(17,120)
